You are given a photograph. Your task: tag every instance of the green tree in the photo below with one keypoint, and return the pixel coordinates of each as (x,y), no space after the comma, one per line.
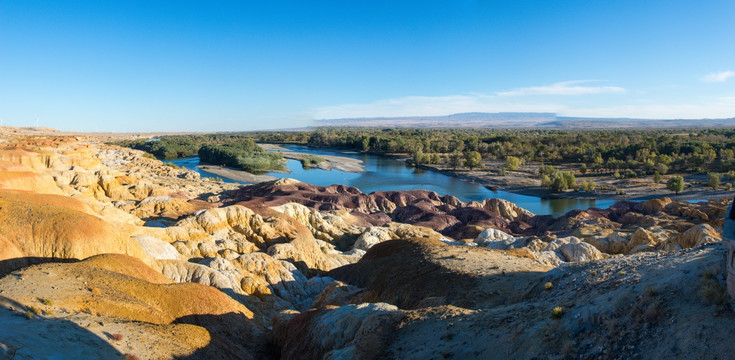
(591,185)
(657,177)
(583,169)
(472,159)
(713,180)
(419,158)
(545,181)
(455,160)
(675,184)
(558,182)
(569,178)
(512,163)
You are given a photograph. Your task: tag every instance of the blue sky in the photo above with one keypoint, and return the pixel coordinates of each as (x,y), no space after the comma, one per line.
(241,65)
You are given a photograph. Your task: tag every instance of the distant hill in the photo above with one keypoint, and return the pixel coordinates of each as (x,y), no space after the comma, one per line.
(521,120)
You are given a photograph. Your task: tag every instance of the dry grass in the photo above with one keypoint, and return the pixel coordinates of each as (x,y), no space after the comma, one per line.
(648,308)
(711,290)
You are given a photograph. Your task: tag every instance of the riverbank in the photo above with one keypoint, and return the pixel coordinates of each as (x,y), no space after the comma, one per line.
(340,163)
(522,182)
(237,175)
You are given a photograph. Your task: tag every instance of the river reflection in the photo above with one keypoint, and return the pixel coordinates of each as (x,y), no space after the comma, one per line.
(384,173)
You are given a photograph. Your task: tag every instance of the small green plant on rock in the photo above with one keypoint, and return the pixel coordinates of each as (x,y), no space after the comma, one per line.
(548,286)
(557,312)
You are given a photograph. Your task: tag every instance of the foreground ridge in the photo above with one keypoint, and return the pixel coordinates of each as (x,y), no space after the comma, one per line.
(106,253)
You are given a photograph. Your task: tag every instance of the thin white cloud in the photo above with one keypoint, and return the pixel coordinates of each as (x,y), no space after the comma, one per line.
(721,76)
(715,110)
(563,88)
(721,107)
(431,106)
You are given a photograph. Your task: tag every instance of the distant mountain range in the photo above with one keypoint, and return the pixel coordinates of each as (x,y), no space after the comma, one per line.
(521,120)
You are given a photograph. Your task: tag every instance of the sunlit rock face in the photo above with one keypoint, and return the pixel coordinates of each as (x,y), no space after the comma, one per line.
(159,256)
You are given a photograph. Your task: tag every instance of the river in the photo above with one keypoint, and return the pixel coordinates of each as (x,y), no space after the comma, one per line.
(384,173)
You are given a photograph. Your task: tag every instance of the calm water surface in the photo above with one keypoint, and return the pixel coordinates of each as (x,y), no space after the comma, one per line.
(383,173)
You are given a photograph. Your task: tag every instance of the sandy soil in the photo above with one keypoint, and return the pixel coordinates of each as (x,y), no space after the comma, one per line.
(645,306)
(333,162)
(525,181)
(234,174)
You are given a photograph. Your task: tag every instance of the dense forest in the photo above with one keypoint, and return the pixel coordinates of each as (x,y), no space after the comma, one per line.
(641,151)
(229,150)
(624,153)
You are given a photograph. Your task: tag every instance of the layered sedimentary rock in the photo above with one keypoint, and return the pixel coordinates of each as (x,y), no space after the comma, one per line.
(124,299)
(334,273)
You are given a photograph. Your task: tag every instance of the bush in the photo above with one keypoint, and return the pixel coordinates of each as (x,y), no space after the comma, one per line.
(557,312)
(713,180)
(548,286)
(588,185)
(244,155)
(547,170)
(473,159)
(675,184)
(512,163)
(712,291)
(559,181)
(312,161)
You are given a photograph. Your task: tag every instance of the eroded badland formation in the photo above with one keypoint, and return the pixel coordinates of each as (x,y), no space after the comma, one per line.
(294,271)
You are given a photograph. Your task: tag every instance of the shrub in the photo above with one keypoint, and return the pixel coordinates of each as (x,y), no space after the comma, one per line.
(472,159)
(312,161)
(547,170)
(559,181)
(648,308)
(557,312)
(713,180)
(548,286)
(116,337)
(47,302)
(512,163)
(712,291)
(675,184)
